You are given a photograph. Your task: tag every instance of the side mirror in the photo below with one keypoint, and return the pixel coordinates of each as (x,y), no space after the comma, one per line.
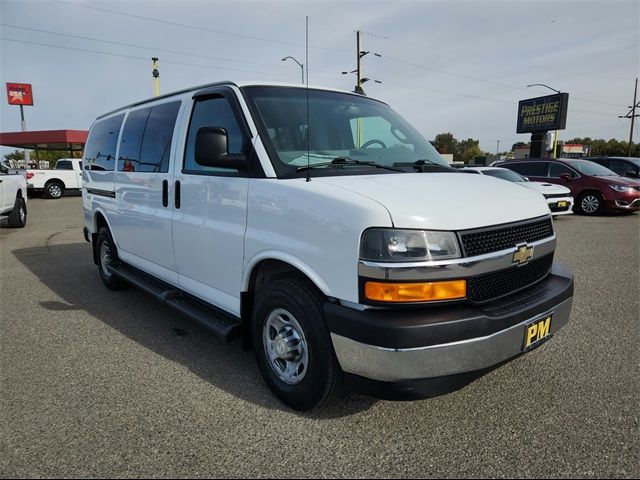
(212,150)
(565,176)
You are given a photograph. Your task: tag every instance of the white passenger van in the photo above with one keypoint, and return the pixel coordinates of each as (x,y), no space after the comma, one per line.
(328,232)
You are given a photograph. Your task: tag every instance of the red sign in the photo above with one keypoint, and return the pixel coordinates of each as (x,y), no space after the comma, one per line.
(19,94)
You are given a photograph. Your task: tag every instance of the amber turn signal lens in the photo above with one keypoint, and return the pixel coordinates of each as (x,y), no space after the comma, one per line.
(415,292)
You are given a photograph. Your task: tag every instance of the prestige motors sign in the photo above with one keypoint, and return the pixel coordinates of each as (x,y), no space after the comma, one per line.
(19,94)
(542,114)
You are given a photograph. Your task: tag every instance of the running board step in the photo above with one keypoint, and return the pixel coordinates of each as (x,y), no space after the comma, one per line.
(224,325)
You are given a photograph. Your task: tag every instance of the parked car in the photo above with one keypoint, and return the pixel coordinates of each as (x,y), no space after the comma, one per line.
(344,250)
(595,188)
(558,197)
(623,166)
(13,198)
(67,175)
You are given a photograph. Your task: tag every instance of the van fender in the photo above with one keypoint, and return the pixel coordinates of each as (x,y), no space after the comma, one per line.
(295,262)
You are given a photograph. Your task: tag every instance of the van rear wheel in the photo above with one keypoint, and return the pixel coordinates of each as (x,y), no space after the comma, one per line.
(293,346)
(107,256)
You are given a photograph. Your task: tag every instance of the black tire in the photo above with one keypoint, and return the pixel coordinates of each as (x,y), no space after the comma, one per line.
(322,381)
(18,216)
(590,203)
(54,190)
(110,281)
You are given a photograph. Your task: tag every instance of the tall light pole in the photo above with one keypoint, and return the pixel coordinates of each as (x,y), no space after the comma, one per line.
(497,146)
(555,137)
(299,64)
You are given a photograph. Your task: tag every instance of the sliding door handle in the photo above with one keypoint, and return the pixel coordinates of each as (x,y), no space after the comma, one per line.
(177,194)
(165,193)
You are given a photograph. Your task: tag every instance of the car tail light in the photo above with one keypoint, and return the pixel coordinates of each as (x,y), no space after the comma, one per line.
(30,175)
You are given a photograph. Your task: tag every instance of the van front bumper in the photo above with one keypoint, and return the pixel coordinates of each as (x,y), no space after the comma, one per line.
(404,345)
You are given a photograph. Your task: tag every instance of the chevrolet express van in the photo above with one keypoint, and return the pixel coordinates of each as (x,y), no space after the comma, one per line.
(324,229)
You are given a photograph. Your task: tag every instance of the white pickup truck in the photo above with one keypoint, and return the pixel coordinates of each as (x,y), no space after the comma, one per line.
(13,198)
(66,176)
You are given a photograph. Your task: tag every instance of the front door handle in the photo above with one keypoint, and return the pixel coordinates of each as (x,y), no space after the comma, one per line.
(165,193)
(177,194)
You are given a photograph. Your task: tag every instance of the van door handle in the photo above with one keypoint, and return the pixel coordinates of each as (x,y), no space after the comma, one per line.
(165,193)
(177,194)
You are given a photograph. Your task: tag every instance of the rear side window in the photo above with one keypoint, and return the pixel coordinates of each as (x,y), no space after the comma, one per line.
(100,150)
(64,165)
(528,169)
(156,142)
(131,143)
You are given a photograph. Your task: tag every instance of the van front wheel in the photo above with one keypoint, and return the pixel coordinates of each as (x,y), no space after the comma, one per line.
(293,346)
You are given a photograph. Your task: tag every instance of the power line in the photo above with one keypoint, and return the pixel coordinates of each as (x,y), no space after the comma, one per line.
(479,97)
(155,49)
(85,50)
(194,27)
(482,80)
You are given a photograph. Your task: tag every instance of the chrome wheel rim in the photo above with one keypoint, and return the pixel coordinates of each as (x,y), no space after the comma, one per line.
(105,259)
(590,204)
(55,191)
(23,214)
(285,346)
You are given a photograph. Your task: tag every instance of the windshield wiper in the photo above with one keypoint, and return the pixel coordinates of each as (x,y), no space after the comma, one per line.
(343,161)
(420,164)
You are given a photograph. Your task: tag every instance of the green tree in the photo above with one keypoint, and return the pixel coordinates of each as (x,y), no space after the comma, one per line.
(469,150)
(519,145)
(447,143)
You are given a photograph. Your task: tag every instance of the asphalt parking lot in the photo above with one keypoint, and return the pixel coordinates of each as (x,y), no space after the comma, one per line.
(97,383)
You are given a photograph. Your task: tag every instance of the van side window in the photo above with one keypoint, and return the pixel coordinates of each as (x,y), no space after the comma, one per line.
(100,150)
(213,112)
(529,169)
(131,143)
(555,169)
(156,142)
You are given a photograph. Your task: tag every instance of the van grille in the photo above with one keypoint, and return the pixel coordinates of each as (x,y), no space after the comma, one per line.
(496,284)
(504,237)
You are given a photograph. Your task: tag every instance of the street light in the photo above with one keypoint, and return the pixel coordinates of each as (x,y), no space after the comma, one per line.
(299,64)
(555,137)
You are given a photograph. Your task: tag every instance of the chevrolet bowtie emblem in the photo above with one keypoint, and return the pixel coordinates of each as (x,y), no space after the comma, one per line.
(523,254)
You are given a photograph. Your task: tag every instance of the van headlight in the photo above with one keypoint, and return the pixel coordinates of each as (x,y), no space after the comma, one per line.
(394,245)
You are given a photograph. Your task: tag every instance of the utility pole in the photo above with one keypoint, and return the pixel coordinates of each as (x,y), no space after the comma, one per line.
(156,75)
(360,80)
(632,115)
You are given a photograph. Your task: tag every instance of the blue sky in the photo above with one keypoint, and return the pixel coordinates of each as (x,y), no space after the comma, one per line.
(445,66)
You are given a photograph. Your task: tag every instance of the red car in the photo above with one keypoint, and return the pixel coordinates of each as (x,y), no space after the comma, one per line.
(596,189)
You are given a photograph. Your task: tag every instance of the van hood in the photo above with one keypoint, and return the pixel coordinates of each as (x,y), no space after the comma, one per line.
(445,201)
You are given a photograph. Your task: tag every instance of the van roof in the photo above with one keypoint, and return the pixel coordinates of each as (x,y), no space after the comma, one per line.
(223,83)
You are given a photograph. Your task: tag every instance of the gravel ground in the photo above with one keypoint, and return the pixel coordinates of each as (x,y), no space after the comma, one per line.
(97,383)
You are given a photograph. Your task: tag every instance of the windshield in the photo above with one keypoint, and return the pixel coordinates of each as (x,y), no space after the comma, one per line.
(342,126)
(505,174)
(591,168)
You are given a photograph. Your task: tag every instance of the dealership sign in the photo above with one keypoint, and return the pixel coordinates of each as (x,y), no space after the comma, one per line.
(542,114)
(19,94)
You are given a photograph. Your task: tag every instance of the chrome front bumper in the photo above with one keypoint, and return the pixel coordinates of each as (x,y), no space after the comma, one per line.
(394,365)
